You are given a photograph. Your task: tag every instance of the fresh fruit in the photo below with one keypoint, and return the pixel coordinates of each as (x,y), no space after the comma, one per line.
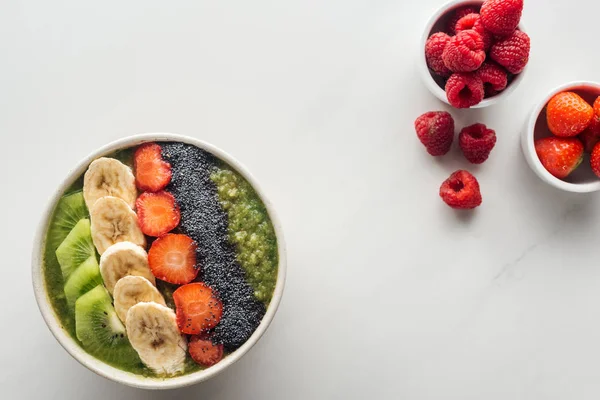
(82,280)
(69,210)
(124,259)
(512,52)
(158,213)
(108,177)
(113,221)
(464,89)
(461,190)
(493,77)
(172,258)
(153,332)
(435,130)
(131,290)
(152,173)
(458,14)
(464,52)
(433,53)
(597,107)
(198,309)
(473,21)
(567,114)
(591,135)
(76,248)
(100,331)
(560,156)
(595,160)
(501,17)
(204,352)
(476,142)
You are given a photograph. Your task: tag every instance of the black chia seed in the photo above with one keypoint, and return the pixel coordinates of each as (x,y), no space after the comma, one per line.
(203,219)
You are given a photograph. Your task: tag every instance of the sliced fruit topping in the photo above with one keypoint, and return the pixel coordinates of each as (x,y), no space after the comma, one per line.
(158,213)
(172,258)
(153,332)
(76,248)
(82,280)
(113,222)
(204,351)
(198,309)
(101,332)
(131,290)
(123,259)
(152,173)
(70,209)
(108,177)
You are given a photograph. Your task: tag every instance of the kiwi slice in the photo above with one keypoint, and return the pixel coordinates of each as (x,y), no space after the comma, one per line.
(76,248)
(82,280)
(69,210)
(101,332)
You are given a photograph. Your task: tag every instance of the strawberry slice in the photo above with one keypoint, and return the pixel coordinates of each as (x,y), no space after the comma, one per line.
(197,308)
(152,173)
(172,258)
(204,351)
(158,213)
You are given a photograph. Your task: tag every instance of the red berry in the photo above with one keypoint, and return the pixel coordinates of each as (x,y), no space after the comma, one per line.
(473,21)
(435,130)
(494,78)
(501,17)
(433,53)
(158,213)
(204,351)
(560,156)
(597,106)
(591,135)
(461,190)
(197,308)
(476,142)
(595,160)
(464,89)
(568,114)
(172,258)
(464,52)
(152,173)
(512,52)
(458,14)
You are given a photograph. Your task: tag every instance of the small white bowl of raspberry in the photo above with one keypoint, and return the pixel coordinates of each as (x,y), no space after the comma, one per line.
(485,66)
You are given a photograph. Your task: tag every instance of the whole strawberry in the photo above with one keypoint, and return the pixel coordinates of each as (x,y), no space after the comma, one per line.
(568,114)
(435,130)
(595,160)
(597,107)
(591,135)
(512,52)
(501,17)
(461,190)
(476,142)
(560,156)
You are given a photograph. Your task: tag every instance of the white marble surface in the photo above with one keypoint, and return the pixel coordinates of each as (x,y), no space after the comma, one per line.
(390,294)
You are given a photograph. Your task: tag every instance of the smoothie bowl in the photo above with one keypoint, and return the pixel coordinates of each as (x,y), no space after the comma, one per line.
(158,262)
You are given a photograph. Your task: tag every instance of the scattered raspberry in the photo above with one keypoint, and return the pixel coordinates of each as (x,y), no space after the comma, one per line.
(494,78)
(461,190)
(595,160)
(433,53)
(458,14)
(473,21)
(464,90)
(512,52)
(560,156)
(476,142)
(435,130)
(591,135)
(464,52)
(501,17)
(568,114)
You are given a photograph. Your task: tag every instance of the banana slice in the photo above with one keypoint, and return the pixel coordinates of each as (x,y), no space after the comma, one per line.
(153,333)
(123,259)
(113,222)
(109,177)
(131,290)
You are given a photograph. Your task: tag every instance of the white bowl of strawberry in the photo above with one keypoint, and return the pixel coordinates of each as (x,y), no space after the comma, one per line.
(159,262)
(474,53)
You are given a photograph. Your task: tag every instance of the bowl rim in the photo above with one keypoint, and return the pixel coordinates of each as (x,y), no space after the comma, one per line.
(528,146)
(73,348)
(432,85)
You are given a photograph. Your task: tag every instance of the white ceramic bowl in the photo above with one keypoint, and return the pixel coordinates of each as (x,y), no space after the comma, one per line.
(436,23)
(582,180)
(100,367)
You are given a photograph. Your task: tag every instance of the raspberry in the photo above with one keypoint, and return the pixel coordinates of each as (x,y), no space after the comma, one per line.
(458,14)
(435,130)
(464,52)
(512,52)
(501,17)
(473,21)
(567,114)
(464,90)
(493,77)
(433,53)
(461,190)
(476,142)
